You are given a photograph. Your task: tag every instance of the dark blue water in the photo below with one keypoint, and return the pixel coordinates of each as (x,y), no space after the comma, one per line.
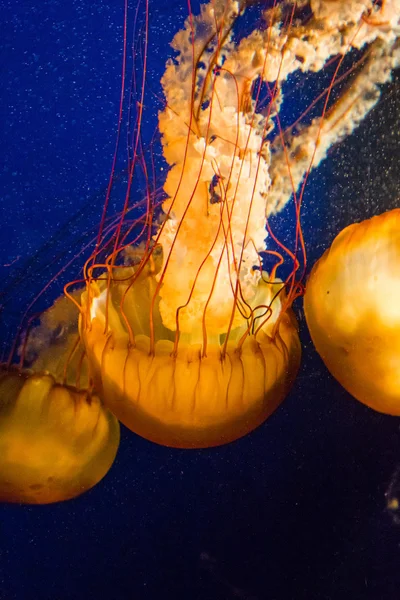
(296,510)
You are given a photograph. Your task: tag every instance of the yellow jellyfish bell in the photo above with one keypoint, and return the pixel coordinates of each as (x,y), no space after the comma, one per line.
(352,307)
(207,386)
(56,442)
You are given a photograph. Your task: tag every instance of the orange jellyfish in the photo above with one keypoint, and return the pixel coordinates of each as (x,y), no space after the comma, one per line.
(57,440)
(190,341)
(353,310)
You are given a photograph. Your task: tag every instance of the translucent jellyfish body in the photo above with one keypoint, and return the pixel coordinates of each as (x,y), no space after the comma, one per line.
(56,442)
(204,386)
(352,306)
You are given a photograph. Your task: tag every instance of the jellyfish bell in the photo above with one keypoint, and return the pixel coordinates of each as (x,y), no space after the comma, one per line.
(207,385)
(56,441)
(353,311)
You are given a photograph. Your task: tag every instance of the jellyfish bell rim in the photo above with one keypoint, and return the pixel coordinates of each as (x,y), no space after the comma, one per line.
(181,397)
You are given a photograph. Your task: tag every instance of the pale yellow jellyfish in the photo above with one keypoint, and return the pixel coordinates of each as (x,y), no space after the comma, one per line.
(56,440)
(352,308)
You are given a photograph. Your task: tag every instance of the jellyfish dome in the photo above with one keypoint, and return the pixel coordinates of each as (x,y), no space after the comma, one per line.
(353,310)
(214,382)
(56,442)
(57,439)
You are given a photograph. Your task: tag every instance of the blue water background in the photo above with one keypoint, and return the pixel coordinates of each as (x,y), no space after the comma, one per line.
(296,510)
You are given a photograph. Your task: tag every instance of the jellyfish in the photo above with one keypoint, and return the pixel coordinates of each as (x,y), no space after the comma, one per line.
(191,341)
(353,311)
(56,441)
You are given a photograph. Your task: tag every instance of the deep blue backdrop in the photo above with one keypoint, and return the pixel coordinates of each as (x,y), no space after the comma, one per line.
(296,510)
